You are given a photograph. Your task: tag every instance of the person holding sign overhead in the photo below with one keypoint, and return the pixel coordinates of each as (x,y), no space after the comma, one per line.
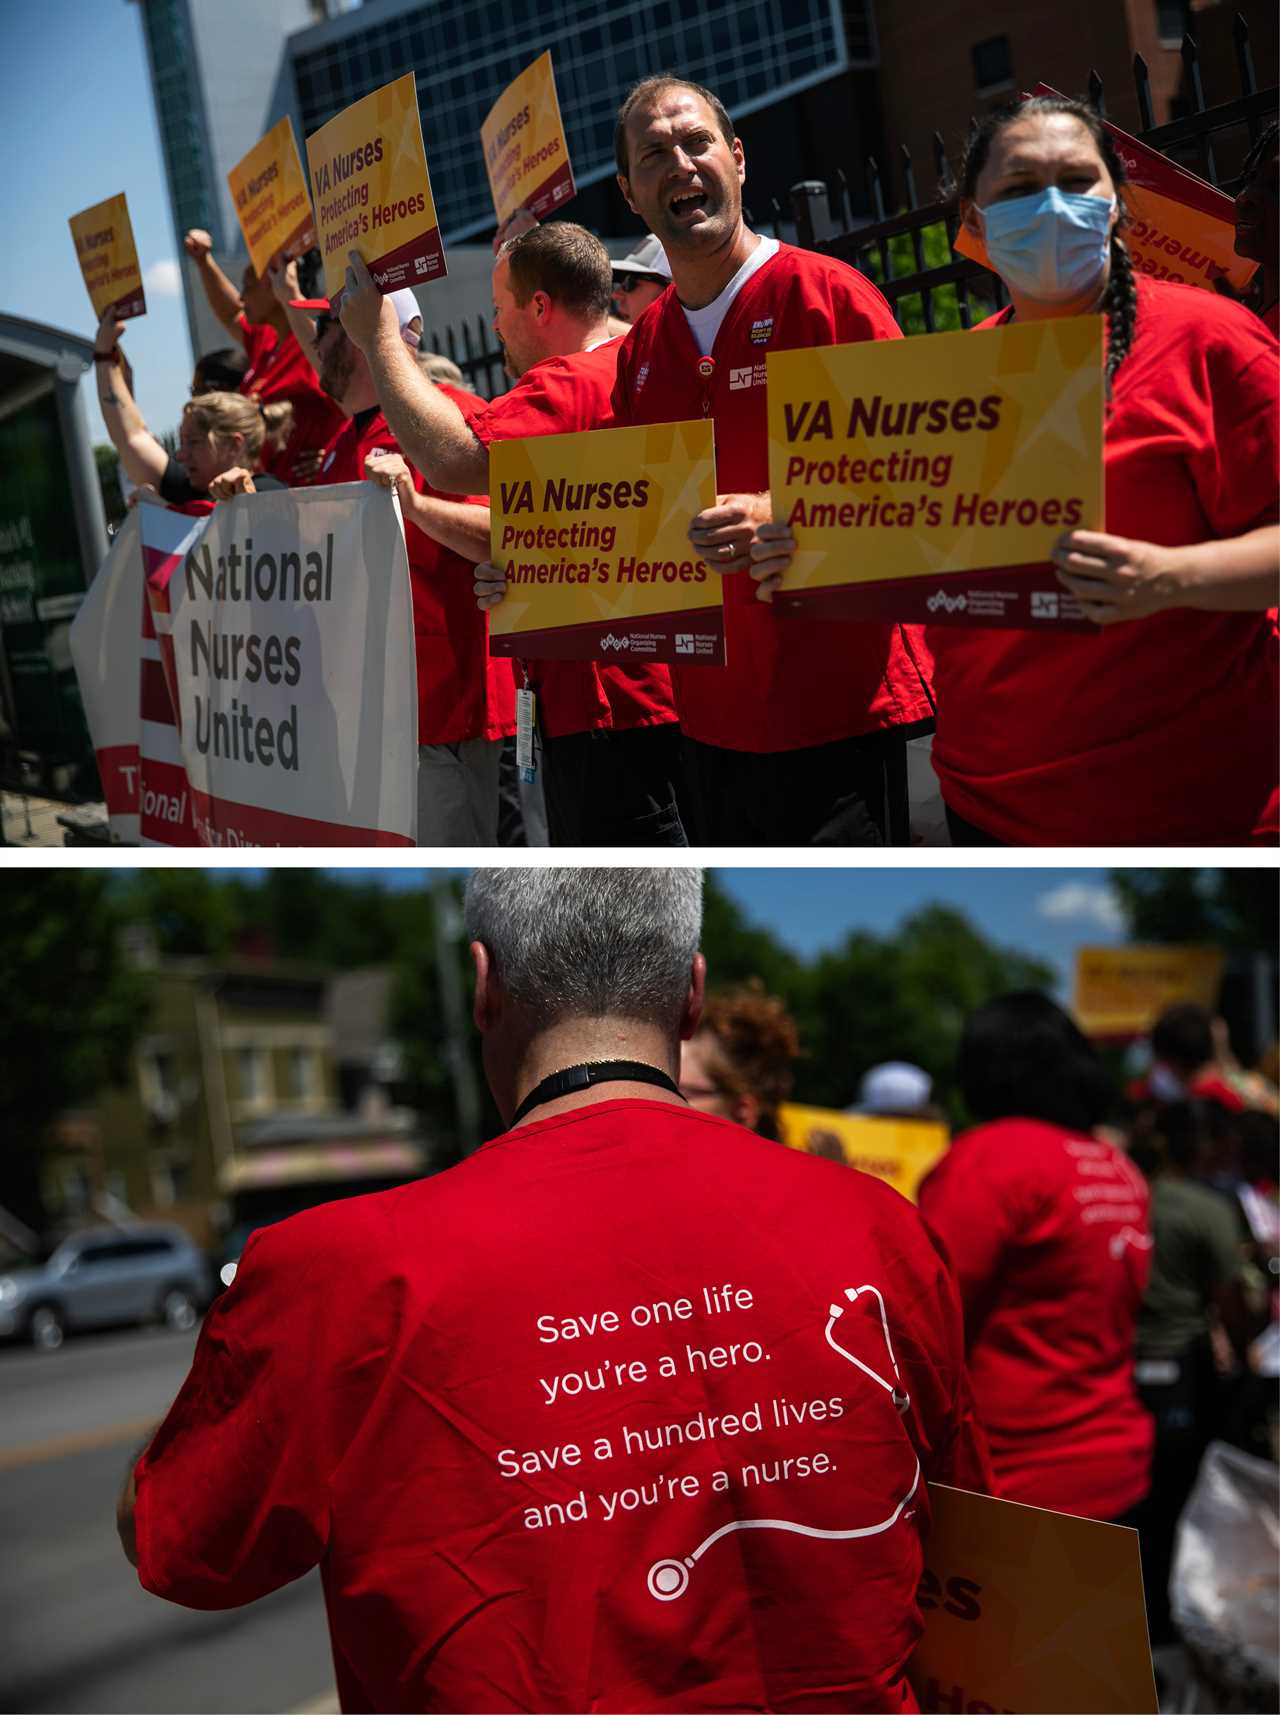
(790,742)
(1161,729)
(610,744)
(278,368)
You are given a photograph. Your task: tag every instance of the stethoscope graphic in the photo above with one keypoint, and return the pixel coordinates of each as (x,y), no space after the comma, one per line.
(669,1579)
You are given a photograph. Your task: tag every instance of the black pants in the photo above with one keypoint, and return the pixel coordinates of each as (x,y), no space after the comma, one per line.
(614,788)
(850,793)
(965,833)
(1182,1393)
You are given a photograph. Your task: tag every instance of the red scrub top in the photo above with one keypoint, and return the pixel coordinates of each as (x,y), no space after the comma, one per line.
(582,1423)
(1158,731)
(279,370)
(788,682)
(560,396)
(463,692)
(1048,1233)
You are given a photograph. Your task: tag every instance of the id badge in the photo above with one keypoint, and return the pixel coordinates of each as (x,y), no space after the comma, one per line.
(526,721)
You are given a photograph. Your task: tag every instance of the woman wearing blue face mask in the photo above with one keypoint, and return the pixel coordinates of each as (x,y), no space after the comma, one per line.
(1162,730)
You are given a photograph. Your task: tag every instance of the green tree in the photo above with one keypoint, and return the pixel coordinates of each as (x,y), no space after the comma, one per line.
(70,1011)
(187,913)
(1238,909)
(107,460)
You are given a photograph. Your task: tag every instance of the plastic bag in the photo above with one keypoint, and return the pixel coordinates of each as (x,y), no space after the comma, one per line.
(1225,1587)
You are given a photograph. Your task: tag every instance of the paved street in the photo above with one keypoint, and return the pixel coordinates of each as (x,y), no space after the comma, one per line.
(79,1633)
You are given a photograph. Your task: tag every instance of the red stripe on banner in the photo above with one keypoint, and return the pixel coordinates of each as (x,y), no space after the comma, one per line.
(692,639)
(154,702)
(164,809)
(220,822)
(169,665)
(118,770)
(400,267)
(1023,598)
(553,192)
(159,566)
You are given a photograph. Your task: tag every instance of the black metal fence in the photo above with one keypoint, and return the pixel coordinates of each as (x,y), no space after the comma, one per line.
(909,254)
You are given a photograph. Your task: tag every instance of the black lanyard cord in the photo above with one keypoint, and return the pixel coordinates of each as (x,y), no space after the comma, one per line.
(593,1072)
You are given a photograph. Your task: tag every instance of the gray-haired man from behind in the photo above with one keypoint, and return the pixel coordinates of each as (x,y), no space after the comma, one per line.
(561,1424)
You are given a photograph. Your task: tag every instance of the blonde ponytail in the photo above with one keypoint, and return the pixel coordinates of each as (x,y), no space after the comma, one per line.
(221,414)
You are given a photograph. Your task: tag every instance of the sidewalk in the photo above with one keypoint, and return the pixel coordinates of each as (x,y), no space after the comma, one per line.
(30,822)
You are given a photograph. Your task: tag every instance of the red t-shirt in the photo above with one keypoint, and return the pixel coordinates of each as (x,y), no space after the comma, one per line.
(1049,1237)
(788,682)
(278,370)
(560,396)
(1271,317)
(1158,731)
(463,692)
(1204,1087)
(537,1418)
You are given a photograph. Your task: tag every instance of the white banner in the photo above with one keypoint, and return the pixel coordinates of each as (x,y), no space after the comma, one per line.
(285,627)
(105,647)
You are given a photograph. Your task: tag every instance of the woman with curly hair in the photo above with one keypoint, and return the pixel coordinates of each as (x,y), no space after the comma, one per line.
(738,1065)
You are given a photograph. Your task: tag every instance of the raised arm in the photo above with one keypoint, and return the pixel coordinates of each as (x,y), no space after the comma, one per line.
(452,523)
(284,284)
(141,454)
(225,302)
(432,432)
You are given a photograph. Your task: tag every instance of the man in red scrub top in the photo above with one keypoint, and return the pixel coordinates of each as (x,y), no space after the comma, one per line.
(466,699)
(610,743)
(795,740)
(278,368)
(631,1410)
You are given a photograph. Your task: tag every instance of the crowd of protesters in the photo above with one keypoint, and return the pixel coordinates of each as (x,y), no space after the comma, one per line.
(1158,728)
(1117,1253)
(1071,1314)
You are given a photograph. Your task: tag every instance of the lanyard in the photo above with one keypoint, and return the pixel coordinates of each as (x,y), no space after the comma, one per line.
(594,1072)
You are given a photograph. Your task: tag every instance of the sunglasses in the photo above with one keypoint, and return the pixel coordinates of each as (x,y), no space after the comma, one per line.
(629,282)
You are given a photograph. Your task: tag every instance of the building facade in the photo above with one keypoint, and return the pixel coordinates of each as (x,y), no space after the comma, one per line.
(215,68)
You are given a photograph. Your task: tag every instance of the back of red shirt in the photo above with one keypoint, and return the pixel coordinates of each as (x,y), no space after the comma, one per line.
(1048,1233)
(632,1410)
(279,370)
(788,682)
(561,396)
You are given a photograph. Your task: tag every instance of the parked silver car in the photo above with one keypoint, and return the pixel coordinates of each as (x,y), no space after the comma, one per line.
(106,1276)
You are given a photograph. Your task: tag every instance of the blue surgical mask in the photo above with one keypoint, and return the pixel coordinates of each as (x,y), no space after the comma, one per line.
(1049,245)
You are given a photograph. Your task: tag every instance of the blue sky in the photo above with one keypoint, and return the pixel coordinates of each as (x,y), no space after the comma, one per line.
(1047,912)
(79,125)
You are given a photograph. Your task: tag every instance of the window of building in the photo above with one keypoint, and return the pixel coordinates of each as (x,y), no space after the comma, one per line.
(252,1075)
(992,64)
(302,1073)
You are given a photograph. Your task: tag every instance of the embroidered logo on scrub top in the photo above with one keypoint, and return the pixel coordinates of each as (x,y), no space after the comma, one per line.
(762,331)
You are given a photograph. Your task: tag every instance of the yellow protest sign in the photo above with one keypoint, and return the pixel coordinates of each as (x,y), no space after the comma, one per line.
(597,557)
(1030,1610)
(271,200)
(103,238)
(1121,991)
(1181,228)
(927,479)
(525,152)
(899,1151)
(372,192)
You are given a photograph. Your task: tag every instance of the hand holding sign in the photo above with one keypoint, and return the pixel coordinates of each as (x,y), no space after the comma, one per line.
(490,585)
(1114,579)
(771,553)
(363,305)
(723,534)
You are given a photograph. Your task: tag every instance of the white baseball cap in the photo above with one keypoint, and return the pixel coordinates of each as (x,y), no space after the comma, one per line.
(895,1087)
(646,258)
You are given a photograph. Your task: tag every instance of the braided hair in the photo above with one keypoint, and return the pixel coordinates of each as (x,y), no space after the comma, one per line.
(1260,152)
(1120,300)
